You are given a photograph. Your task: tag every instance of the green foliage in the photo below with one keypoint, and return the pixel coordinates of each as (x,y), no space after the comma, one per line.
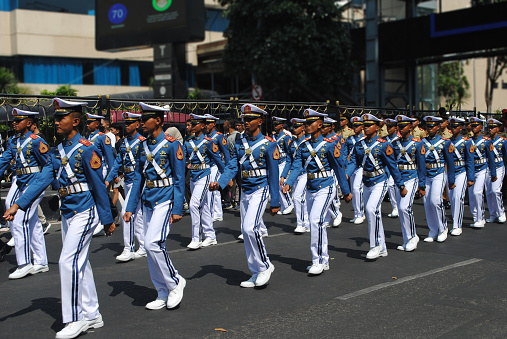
(486,2)
(291,47)
(64,90)
(8,83)
(452,84)
(196,94)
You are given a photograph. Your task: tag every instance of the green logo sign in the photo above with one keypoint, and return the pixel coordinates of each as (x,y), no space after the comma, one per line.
(161,5)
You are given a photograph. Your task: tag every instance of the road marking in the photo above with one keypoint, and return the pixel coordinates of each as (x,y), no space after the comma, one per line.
(402,280)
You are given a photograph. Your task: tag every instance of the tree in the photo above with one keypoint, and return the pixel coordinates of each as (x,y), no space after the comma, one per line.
(452,84)
(494,69)
(64,90)
(8,83)
(297,50)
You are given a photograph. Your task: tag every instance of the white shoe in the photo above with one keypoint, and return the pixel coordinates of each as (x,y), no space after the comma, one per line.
(99,230)
(263,277)
(218,219)
(401,247)
(338,220)
(265,235)
(73,329)
(250,282)
(194,245)
(376,252)
(126,255)
(359,220)
(96,323)
(442,236)
(502,218)
(326,224)
(317,269)
(279,213)
(39,269)
(240,237)
(208,242)
(412,244)
(21,272)
(429,239)
(11,242)
(156,304)
(393,214)
(288,210)
(46,228)
(140,253)
(456,231)
(175,296)
(478,224)
(300,230)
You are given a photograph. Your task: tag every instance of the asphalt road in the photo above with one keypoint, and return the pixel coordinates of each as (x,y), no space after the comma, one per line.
(455,289)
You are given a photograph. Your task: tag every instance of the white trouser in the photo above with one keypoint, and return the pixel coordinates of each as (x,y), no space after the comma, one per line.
(434,205)
(28,234)
(79,296)
(457,199)
(300,203)
(252,207)
(285,198)
(391,188)
(356,181)
(214,197)
(476,196)
(494,193)
(135,227)
(318,205)
(373,197)
(334,207)
(405,212)
(200,209)
(12,195)
(164,276)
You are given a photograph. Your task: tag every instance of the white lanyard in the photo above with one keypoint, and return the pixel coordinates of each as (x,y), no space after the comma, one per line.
(458,155)
(282,153)
(494,148)
(435,153)
(150,155)
(403,150)
(477,147)
(20,151)
(297,147)
(313,155)
(249,152)
(129,150)
(65,159)
(92,139)
(195,150)
(367,152)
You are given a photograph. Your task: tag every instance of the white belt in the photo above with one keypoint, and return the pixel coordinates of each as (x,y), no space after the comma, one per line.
(254,173)
(166,182)
(430,166)
(481,161)
(459,163)
(319,174)
(128,169)
(373,174)
(499,159)
(27,170)
(73,189)
(199,167)
(407,167)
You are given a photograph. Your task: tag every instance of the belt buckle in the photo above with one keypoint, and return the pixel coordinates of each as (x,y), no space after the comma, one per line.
(150,184)
(18,171)
(311,176)
(63,192)
(245,174)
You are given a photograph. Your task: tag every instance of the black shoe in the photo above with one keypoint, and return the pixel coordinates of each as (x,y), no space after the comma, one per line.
(4,250)
(447,205)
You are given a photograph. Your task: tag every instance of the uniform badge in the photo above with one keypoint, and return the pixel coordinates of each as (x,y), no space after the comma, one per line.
(43,148)
(389,150)
(432,148)
(276,154)
(367,151)
(129,149)
(224,142)
(149,157)
(336,152)
(313,153)
(196,149)
(65,161)
(215,148)
(451,148)
(179,153)
(19,149)
(338,145)
(403,151)
(472,149)
(423,150)
(94,161)
(108,141)
(491,147)
(248,151)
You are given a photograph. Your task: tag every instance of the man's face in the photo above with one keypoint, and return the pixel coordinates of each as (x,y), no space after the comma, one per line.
(432,129)
(313,126)
(326,129)
(298,129)
(92,126)
(476,127)
(370,128)
(278,126)
(131,127)
(210,126)
(391,129)
(189,127)
(251,124)
(405,128)
(105,123)
(226,126)
(357,127)
(65,124)
(197,127)
(149,124)
(240,127)
(444,125)
(343,121)
(21,125)
(455,129)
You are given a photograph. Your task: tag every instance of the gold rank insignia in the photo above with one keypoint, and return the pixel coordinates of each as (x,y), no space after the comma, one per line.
(149,157)
(65,161)
(129,149)
(163,154)
(432,148)
(367,151)
(196,149)
(19,149)
(248,151)
(313,153)
(403,151)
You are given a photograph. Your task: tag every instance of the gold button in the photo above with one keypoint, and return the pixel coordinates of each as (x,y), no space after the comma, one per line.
(258,187)
(154,142)
(320,186)
(156,203)
(75,212)
(374,183)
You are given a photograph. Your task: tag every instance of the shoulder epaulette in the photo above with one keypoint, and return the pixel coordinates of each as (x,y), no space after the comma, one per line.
(33,136)
(416,139)
(219,133)
(100,133)
(381,140)
(307,138)
(141,138)
(270,139)
(487,138)
(504,138)
(334,137)
(85,142)
(465,138)
(170,138)
(328,140)
(208,138)
(446,139)
(286,133)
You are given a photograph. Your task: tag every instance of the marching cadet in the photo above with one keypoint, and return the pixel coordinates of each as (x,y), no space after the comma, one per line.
(392,133)
(77,168)
(12,194)
(417,132)
(316,157)
(126,160)
(256,156)
(432,184)
(464,170)
(407,151)
(356,177)
(299,187)
(215,199)
(494,188)
(202,152)
(283,140)
(374,155)
(334,216)
(160,167)
(382,133)
(345,130)
(30,154)
(484,159)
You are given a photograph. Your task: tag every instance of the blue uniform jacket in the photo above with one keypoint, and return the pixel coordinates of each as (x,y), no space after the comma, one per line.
(35,152)
(210,152)
(445,156)
(412,148)
(350,143)
(485,149)
(293,147)
(123,160)
(329,155)
(266,156)
(171,159)
(283,139)
(102,142)
(221,141)
(86,164)
(462,153)
(11,142)
(499,144)
(383,154)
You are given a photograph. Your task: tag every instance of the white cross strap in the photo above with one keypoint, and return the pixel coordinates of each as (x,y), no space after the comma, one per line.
(198,153)
(159,170)
(403,151)
(477,148)
(129,150)
(315,151)
(250,156)
(20,151)
(435,153)
(369,154)
(458,154)
(68,170)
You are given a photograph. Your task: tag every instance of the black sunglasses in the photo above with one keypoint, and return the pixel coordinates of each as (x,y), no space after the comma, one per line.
(248,119)
(369,124)
(357,124)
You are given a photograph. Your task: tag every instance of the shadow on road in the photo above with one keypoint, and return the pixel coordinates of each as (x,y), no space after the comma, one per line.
(50,306)
(232,277)
(141,295)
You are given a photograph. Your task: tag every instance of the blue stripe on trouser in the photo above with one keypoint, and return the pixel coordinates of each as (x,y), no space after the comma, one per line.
(413,232)
(258,236)
(462,205)
(75,270)
(26,230)
(303,206)
(161,244)
(321,223)
(378,216)
(442,208)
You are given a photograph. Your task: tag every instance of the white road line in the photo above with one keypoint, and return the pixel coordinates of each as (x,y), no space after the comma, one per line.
(402,280)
